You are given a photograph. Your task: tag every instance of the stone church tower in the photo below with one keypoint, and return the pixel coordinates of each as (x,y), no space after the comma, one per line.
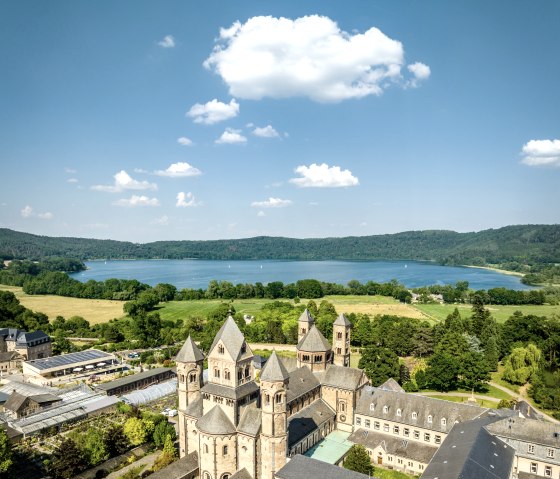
(341,341)
(274,435)
(305,322)
(189,382)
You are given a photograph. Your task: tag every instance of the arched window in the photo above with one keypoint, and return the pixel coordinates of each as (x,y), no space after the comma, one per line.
(338,350)
(225,476)
(414,415)
(385,409)
(399,412)
(303,331)
(207,476)
(443,421)
(342,406)
(227,375)
(205,448)
(430,419)
(225,450)
(239,374)
(216,373)
(221,349)
(246,371)
(279,399)
(267,398)
(372,407)
(192,377)
(339,335)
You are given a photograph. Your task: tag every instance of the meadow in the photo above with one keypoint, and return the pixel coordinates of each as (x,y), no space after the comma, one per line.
(93,310)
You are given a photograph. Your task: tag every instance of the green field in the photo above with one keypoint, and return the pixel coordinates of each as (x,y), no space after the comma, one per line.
(182,309)
(93,310)
(500,313)
(381,473)
(444,397)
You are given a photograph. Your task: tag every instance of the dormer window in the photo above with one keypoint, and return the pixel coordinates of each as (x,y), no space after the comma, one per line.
(243,348)
(385,409)
(221,349)
(371,407)
(414,415)
(430,419)
(443,421)
(399,413)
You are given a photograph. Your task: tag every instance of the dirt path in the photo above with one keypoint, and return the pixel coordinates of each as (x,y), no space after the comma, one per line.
(461,395)
(146,461)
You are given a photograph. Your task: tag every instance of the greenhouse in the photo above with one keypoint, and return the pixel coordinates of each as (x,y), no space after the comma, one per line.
(151,393)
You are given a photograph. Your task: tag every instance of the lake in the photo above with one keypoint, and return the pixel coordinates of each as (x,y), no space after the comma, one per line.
(198,273)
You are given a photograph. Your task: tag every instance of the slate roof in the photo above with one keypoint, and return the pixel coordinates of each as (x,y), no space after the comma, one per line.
(16,400)
(392,385)
(342,377)
(231,336)
(189,353)
(229,392)
(25,338)
(471,452)
(250,422)
(306,317)
(3,397)
(215,421)
(289,363)
(342,321)
(302,467)
(528,430)
(308,420)
(9,356)
(301,381)
(179,469)
(373,400)
(242,474)
(195,409)
(416,451)
(274,370)
(314,342)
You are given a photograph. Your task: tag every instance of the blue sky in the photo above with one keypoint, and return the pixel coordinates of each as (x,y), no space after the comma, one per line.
(145,121)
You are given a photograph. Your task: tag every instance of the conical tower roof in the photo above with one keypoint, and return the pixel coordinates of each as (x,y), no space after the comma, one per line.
(215,421)
(189,353)
(231,336)
(274,370)
(342,321)
(306,317)
(314,342)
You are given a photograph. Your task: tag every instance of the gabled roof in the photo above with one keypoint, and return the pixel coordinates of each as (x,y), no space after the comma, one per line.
(383,404)
(15,401)
(314,342)
(302,467)
(342,321)
(26,338)
(306,317)
(307,420)
(189,353)
(527,430)
(274,370)
(343,377)
(231,336)
(231,392)
(242,474)
(179,469)
(471,452)
(250,422)
(215,421)
(392,385)
(301,381)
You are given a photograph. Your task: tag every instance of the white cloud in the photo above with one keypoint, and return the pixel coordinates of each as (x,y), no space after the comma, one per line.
(420,72)
(184,200)
(141,170)
(261,213)
(123,181)
(231,136)
(179,170)
(184,141)
(266,132)
(71,171)
(136,200)
(167,42)
(27,212)
(323,176)
(213,112)
(163,221)
(309,56)
(541,153)
(72,180)
(271,203)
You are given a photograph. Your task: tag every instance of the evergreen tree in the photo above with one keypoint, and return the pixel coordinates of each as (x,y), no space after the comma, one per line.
(116,441)
(379,364)
(67,460)
(358,460)
(492,353)
(480,315)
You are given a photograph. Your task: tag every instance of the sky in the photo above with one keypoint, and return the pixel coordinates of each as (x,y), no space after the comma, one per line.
(178,120)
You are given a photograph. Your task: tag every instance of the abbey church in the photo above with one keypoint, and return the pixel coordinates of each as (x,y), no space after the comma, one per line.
(239,428)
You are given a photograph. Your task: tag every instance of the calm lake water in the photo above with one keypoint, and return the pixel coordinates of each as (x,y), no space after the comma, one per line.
(198,273)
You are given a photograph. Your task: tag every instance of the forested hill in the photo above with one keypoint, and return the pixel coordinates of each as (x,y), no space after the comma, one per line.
(526,244)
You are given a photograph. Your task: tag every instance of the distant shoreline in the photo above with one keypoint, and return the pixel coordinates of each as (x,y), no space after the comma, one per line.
(497,270)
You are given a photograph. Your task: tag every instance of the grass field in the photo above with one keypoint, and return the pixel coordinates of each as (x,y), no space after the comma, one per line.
(93,310)
(374,305)
(488,404)
(381,473)
(500,313)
